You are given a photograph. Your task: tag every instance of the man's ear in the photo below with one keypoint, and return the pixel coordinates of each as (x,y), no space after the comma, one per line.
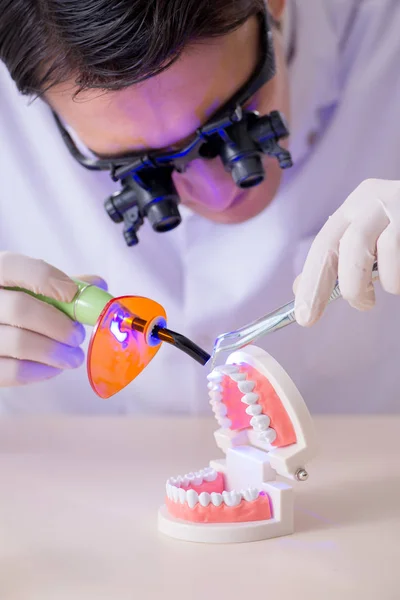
(276,8)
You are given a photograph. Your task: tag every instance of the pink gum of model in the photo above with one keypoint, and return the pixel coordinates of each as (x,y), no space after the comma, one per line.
(265,430)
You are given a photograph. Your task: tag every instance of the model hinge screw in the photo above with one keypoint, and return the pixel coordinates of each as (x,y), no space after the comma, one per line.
(301,475)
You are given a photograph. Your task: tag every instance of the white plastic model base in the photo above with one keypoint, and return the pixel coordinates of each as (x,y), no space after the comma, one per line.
(265,429)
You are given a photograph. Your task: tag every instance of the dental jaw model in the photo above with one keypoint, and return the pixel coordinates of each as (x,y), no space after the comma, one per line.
(265,431)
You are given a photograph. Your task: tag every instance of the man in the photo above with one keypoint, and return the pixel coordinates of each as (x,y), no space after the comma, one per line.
(137,77)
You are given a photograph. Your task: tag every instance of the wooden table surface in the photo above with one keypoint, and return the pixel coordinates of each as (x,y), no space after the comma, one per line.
(79,500)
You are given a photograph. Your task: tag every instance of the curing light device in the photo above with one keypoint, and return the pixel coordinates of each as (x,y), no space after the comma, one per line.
(127,334)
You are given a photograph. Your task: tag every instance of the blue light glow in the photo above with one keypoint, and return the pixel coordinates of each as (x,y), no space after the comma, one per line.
(119,335)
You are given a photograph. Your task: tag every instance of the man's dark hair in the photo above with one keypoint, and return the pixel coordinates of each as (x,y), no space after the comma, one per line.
(107,44)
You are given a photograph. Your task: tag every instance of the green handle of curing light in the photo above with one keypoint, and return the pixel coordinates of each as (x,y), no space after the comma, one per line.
(86,307)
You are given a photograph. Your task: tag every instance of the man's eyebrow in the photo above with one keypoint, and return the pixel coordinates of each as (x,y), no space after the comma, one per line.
(146,150)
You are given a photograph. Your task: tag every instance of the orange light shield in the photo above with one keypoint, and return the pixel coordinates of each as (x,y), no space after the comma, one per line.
(117,353)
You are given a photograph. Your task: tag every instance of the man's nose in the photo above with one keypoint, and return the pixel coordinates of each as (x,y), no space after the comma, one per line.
(206,182)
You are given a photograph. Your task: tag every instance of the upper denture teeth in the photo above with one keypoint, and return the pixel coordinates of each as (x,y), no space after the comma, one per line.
(227,369)
(268,436)
(260,422)
(220,409)
(216,498)
(192,498)
(215,396)
(237,376)
(217,387)
(246,386)
(204,498)
(254,410)
(225,423)
(250,398)
(214,376)
(232,498)
(250,494)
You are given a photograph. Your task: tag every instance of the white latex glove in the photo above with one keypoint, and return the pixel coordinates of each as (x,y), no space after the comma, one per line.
(365,228)
(37,341)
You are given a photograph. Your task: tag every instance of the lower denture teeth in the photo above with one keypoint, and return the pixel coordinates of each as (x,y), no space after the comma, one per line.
(236,498)
(232,498)
(267,436)
(216,498)
(254,410)
(250,494)
(227,498)
(204,498)
(192,498)
(260,422)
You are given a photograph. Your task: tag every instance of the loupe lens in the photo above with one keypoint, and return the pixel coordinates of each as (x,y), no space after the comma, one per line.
(248,172)
(164,215)
(241,158)
(158,199)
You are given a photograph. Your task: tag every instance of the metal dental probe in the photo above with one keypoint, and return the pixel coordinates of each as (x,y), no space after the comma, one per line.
(285,315)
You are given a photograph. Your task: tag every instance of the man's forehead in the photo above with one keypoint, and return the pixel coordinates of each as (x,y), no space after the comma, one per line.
(167,109)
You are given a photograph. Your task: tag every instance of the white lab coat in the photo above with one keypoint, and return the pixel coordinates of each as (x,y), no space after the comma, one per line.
(211,278)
